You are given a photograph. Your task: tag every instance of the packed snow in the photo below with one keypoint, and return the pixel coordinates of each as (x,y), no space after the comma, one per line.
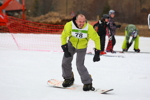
(24,73)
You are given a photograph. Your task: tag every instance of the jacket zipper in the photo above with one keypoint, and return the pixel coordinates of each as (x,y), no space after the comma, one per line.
(77,44)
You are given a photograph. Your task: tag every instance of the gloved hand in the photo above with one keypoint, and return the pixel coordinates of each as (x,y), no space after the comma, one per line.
(65,49)
(110,37)
(118,26)
(96,56)
(128,45)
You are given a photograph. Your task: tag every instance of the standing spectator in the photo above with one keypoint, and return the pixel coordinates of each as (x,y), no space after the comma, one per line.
(148,20)
(72,14)
(78,32)
(111,35)
(101,27)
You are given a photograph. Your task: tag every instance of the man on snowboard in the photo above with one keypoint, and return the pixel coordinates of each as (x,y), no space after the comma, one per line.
(132,31)
(74,39)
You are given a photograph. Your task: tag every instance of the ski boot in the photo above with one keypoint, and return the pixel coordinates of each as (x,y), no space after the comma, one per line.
(102,53)
(88,87)
(125,50)
(137,50)
(112,51)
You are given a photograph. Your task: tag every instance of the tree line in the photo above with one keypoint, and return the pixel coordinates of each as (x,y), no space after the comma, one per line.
(127,11)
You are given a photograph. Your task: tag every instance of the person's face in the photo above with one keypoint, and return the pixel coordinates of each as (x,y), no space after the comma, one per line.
(112,15)
(80,21)
(106,20)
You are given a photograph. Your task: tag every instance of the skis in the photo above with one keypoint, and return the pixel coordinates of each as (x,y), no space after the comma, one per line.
(133,52)
(117,52)
(58,84)
(107,55)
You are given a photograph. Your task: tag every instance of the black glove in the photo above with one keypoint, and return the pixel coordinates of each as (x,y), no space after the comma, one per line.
(96,56)
(118,26)
(114,24)
(65,49)
(128,45)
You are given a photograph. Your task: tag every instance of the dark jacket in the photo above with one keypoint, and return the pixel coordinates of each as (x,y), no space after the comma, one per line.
(101,27)
(112,26)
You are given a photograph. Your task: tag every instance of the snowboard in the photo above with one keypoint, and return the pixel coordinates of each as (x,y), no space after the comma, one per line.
(58,84)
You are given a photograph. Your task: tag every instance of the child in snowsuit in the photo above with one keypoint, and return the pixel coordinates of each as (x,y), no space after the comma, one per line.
(111,35)
(132,31)
(101,27)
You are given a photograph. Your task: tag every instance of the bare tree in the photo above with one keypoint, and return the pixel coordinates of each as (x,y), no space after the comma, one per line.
(79,5)
(126,10)
(35,11)
(129,12)
(96,8)
(47,6)
(141,3)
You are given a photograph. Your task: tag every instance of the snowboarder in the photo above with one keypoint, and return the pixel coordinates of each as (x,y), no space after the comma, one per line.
(111,35)
(78,32)
(148,20)
(102,27)
(132,31)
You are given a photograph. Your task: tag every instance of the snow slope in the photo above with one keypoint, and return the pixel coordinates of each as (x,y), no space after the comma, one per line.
(24,75)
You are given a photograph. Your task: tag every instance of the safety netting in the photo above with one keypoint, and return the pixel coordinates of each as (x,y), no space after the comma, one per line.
(26,35)
(17,25)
